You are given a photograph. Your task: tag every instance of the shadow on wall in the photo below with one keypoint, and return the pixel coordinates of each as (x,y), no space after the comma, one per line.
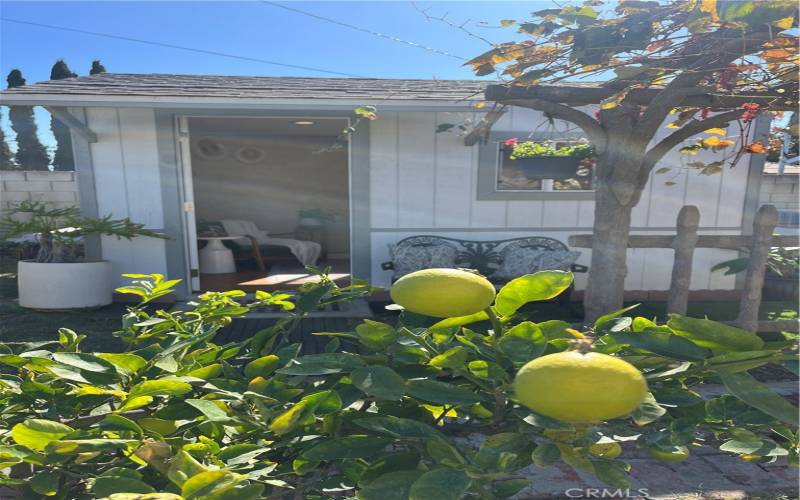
(268,180)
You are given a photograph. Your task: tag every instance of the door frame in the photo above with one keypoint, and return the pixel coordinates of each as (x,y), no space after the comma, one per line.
(357,208)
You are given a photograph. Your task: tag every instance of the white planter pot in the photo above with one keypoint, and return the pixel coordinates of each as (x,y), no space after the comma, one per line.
(64,285)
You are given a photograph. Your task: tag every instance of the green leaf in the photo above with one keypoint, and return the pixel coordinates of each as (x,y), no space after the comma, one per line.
(380,382)
(649,411)
(388,463)
(210,410)
(391,486)
(544,285)
(375,336)
(765,448)
(397,427)
(261,367)
(509,487)
(441,393)
(555,329)
(322,364)
(460,320)
(134,403)
(159,388)
(75,446)
(612,472)
(105,486)
(45,483)
(759,396)
(546,454)
(744,360)
(440,484)
(347,447)
(713,335)
(522,343)
(36,433)
(210,485)
(491,450)
(295,416)
(663,344)
(486,369)
(454,357)
(602,320)
(84,362)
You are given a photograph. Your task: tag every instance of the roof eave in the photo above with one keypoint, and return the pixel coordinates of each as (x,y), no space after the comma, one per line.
(30,99)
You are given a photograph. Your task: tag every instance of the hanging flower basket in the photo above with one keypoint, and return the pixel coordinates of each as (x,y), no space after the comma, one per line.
(538,160)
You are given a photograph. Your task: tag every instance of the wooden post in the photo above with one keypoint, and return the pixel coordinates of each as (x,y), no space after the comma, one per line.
(763,225)
(684,245)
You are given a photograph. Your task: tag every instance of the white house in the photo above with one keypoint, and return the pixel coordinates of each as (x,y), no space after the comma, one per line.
(169,150)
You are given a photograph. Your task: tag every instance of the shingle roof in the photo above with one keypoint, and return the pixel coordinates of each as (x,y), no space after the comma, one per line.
(268,87)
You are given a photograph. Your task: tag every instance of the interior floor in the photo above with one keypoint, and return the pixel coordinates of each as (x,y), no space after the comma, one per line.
(279,276)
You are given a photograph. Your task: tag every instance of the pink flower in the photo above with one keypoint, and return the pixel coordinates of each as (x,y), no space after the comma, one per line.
(511,142)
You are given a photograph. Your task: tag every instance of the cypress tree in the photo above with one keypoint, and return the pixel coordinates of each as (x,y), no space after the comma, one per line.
(31,154)
(97,67)
(63,158)
(6,157)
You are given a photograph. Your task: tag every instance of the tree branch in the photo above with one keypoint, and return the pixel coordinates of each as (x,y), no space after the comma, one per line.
(694,127)
(595,133)
(686,83)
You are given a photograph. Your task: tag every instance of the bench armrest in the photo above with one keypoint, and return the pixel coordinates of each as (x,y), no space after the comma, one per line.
(578,268)
(387,266)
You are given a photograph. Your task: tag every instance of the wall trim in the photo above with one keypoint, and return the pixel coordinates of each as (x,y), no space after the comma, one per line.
(87,190)
(425,230)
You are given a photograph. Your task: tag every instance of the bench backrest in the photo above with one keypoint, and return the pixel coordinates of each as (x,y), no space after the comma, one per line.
(484,256)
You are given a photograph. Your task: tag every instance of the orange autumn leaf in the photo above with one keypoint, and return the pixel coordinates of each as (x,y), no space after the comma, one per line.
(715,143)
(718,131)
(756,148)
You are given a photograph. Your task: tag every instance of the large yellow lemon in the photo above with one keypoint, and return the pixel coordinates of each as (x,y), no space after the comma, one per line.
(580,388)
(443,293)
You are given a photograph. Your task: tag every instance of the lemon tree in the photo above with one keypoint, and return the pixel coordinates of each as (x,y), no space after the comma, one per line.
(377,413)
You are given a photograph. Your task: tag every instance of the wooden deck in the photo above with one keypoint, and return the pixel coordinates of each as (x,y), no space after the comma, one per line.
(280,276)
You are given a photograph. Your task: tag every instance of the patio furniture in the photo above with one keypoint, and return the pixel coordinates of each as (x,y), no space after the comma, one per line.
(499,260)
(215,257)
(255,243)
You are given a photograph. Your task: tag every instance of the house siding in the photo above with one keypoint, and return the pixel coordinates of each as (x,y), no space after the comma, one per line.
(423,182)
(127,184)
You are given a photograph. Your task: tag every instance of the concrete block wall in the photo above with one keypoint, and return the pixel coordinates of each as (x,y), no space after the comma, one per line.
(783,191)
(57,189)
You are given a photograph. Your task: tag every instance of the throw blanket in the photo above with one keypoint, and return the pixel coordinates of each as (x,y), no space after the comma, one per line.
(307,252)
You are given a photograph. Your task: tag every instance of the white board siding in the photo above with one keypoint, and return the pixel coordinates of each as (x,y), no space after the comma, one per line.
(435,185)
(127,183)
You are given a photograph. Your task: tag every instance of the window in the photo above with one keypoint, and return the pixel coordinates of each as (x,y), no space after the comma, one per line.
(501,178)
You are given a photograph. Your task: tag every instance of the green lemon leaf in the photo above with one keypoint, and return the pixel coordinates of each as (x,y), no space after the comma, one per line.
(134,403)
(261,367)
(209,484)
(210,410)
(375,335)
(36,433)
(392,486)
(441,484)
(159,388)
(759,396)
(522,343)
(379,381)
(612,472)
(661,343)
(107,485)
(544,285)
(347,447)
(125,363)
(397,427)
(713,335)
(454,357)
(84,362)
(45,483)
(441,393)
(322,364)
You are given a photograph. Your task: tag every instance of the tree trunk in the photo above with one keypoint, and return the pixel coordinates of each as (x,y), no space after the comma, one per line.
(612,225)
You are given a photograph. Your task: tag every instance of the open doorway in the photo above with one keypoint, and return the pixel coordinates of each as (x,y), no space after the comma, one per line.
(271,196)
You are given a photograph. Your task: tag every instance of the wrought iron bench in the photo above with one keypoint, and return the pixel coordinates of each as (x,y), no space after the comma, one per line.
(498,260)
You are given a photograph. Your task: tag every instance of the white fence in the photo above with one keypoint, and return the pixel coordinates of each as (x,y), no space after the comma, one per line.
(57,189)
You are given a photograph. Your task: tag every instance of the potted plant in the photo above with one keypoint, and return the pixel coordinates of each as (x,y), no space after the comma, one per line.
(60,277)
(549,160)
(314,217)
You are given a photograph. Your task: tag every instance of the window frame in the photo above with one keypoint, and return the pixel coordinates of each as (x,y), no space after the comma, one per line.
(488,169)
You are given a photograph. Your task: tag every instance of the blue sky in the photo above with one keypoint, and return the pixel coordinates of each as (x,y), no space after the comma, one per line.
(251,29)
